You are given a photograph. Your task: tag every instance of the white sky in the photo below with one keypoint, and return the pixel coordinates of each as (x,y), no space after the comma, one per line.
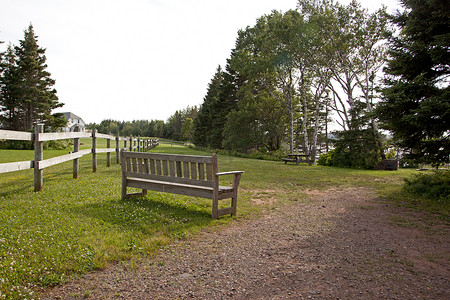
(135,59)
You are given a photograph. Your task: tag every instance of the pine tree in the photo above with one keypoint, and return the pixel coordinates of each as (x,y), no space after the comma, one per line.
(10,107)
(203,124)
(34,94)
(416,103)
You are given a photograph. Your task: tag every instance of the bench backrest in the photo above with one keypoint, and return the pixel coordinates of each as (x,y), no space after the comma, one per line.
(184,169)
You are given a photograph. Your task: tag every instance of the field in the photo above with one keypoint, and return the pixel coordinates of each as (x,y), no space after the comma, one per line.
(76,226)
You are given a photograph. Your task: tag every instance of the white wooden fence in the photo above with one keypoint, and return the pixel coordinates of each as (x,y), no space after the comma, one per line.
(39,137)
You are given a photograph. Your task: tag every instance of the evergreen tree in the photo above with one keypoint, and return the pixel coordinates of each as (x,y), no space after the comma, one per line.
(10,107)
(416,103)
(203,130)
(35,98)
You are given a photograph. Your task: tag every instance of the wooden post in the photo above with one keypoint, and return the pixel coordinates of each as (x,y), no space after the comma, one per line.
(124,178)
(94,149)
(138,144)
(131,143)
(117,149)
(38,156)
(108,154)
(76,148)
(215,204)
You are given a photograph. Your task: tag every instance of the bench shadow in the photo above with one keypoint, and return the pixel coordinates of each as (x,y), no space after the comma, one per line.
(147,215)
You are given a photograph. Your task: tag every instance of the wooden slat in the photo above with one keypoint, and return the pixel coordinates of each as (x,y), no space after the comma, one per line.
(140,165)
(52,136)
(59,159)
(16,166)
(104,150)
(152,166)
(169,157)
(162,178)
(134,164)
(186,169)
(128,163)
(158,167)
(85,151)
(105,136)
(225,211)
(193,170)
(165,168)
(172,168)
(209,172)
(15,135)
(201,171)
(179,169)
(146,168)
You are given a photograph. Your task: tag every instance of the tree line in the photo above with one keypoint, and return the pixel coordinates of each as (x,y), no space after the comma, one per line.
(178,127)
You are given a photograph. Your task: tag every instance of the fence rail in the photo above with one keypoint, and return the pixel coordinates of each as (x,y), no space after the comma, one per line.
(39,137)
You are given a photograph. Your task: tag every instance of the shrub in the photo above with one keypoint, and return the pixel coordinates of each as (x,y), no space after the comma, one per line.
(58,144)
(326,159)
(434,185)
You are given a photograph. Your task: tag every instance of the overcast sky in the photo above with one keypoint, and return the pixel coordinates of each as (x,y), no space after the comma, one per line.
(135,59)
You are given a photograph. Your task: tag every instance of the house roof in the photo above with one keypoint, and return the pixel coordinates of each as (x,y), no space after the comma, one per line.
(70,115)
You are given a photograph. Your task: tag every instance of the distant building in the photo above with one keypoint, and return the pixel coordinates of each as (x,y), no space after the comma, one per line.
(73,122)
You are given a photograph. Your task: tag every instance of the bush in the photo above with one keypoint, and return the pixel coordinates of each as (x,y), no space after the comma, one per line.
(326,159)
(58,144)
(434,185)
(16,145)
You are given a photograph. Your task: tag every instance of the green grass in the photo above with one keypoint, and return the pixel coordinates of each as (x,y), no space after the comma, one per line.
(75,226)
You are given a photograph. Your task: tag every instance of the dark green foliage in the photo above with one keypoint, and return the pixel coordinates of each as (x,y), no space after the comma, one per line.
(27,96)
(173,129)
(258,123)
(174,126)
(220,99)
(17,145)
(326,159)
(356,149)
(416,103)
(435,186)
(203,130)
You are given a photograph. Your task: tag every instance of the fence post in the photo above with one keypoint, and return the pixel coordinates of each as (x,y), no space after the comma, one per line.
(38,156)
(76,148)
(117,149)
(108,154)
(94,149)
(131,143)
(139,144)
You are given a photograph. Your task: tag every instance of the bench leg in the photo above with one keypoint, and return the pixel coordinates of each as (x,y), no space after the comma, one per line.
(215,207)
(234,205)
(124,188)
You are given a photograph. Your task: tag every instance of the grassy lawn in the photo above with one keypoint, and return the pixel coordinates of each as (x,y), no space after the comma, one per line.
(75,226)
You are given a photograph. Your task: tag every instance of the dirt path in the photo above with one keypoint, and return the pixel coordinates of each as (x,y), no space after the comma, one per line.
(342,244)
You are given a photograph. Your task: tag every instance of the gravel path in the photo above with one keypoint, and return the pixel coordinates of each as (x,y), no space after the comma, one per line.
(343,244)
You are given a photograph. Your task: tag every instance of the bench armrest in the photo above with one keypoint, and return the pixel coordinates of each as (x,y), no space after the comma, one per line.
(229,173)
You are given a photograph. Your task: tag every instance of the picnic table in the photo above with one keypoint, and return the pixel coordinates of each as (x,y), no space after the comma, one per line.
(297,158)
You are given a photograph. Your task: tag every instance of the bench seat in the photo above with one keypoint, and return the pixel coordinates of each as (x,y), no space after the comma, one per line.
(178,188)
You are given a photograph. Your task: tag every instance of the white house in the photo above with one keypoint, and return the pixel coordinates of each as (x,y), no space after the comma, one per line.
(73,121)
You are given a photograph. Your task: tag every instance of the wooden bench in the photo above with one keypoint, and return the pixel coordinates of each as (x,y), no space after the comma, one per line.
(188,175)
